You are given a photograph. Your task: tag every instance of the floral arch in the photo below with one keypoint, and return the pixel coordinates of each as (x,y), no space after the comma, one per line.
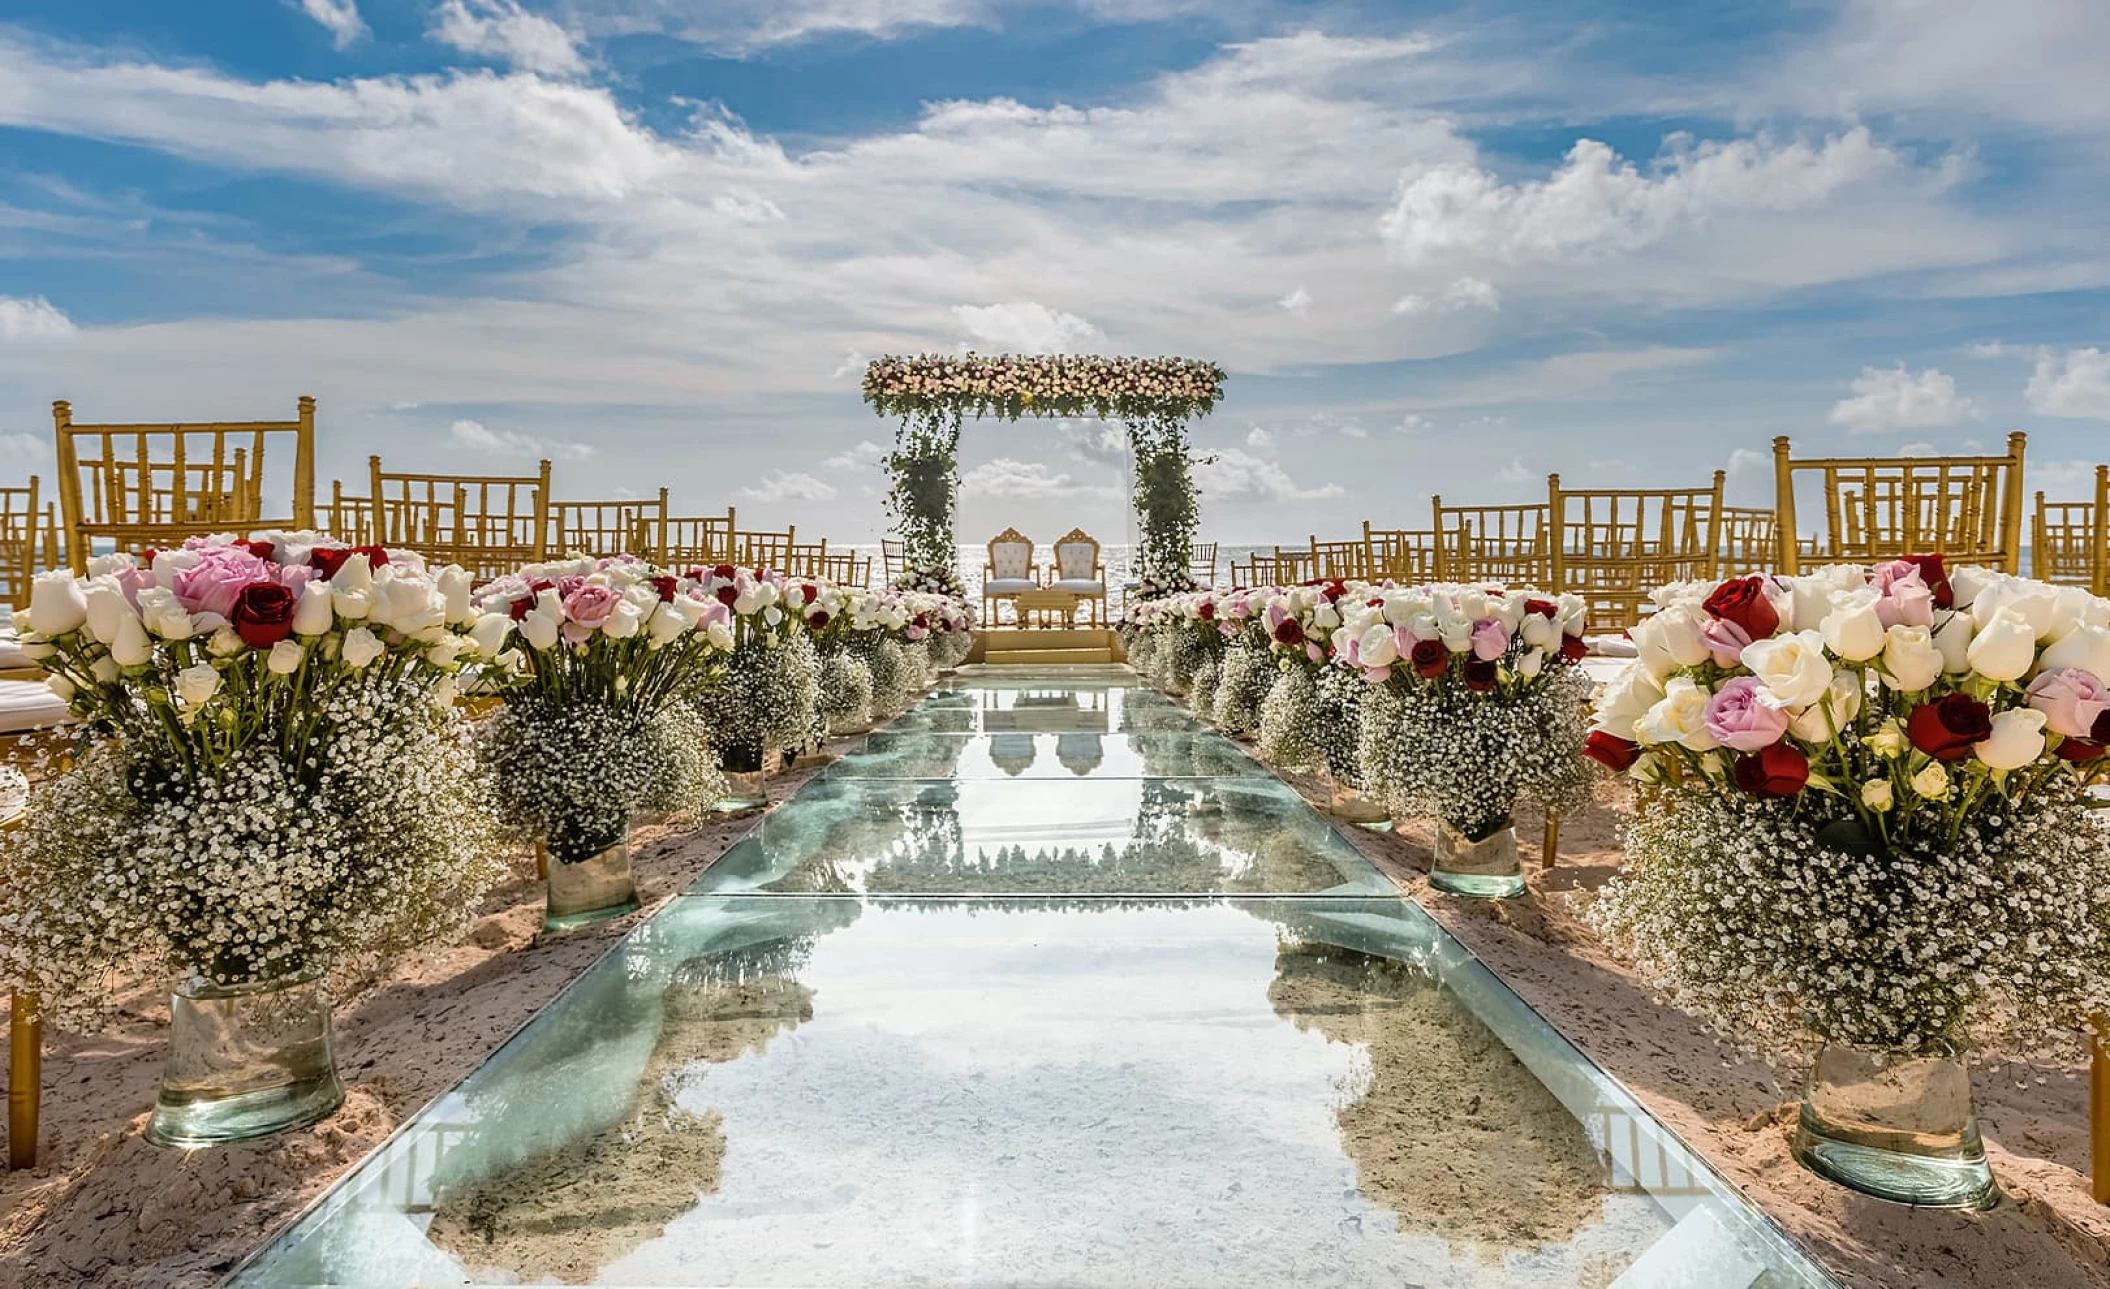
(933,394)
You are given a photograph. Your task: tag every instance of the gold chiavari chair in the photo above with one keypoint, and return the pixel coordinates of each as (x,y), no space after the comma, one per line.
(21,528)
(893,558)
(2070,540)
(766,550)
(1201,563)
(1293,566)
(1259,570)
(488,524)
(346,517)
(1403,555)
(697,541)
(806,559)
(632,526)
(1747,542)
(1613,546)
(1879,508)
(1500,545)
(141,486)
(1345,560)
(842,569)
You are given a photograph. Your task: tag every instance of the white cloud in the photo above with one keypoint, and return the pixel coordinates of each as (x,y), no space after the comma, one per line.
(1259,439)
(1297,301)
(853,364)
(788,485)
(1025,328)
(1465,293)
(1353,429)
(501,29)
(340,16)
(1599,203)
(1414,423)
(744,27)
(1918,450)
(1744,460)
(1515,472)
(2075,383)
(32,318)
(475,436)
(24,447)
(1231,474)
(866,455)
(1892,398)
(1096,443)
(1022,480)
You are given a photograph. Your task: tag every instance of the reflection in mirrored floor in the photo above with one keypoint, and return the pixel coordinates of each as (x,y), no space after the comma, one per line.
(1039,1031)
(1016,754)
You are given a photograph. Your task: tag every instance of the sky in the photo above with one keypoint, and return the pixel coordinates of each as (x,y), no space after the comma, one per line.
(1438,247)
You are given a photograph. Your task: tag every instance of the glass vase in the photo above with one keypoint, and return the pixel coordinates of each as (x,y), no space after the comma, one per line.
(1487,868)
(745,790)
(1350,806)
(593,889)
(1899,1128)
(245,1061)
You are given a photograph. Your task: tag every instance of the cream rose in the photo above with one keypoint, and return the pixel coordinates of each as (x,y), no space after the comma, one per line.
(57,604)
(2017,739)
(1910,660)
(361,647)
(1792,667)
(2005,647)
(1680,718)
(197,683)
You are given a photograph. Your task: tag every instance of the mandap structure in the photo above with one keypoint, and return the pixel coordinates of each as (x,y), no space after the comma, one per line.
(933,395)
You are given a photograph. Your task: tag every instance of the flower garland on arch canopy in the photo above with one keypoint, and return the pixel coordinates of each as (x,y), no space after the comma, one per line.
(1012,386)
(1899,701)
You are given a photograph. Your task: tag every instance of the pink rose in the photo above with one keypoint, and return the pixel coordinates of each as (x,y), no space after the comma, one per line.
(1725,640)
(1490,639)
(1738,717)
(1907,600)
(590,604)
(216,580)
(2071,700)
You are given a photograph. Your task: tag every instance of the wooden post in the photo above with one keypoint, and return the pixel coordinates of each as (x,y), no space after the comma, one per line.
(2011,521)
(1789,561)
(25,1078)
(304,466)
(2099,1110)
(1550,848)
(1556,515)
(2099,534)
(1711,565)
(69,485)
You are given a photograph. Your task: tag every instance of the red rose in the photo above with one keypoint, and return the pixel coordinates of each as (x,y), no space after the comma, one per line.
(810,592)
(1611,751)
(1430,658)
(724,571)
(263,614)
(146,557)
(728,594)
(262,550)
(376,556)
(2100,731)
(1207,612)
(1777,771)
(818,618)
(1573,649)
(2079,750)
(328,561)
(1946,728)
(1743,601)
(1374,602)
(1544,608)
(518,609)
(1936,575)
(1480,674)
(1289,632)
(666,586)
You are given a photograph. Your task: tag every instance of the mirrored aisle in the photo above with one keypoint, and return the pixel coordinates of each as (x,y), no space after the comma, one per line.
(1132,1014)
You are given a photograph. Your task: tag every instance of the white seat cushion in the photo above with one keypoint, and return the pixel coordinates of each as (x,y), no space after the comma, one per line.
(11,655)
(1612,647)
(1011,560)
(1074,561)
(1080,585)
(30,705)
(1008,585)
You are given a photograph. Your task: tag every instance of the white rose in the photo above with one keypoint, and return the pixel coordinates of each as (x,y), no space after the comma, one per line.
(1679,718)
(1626,700)
(2033,602)
(1532,663)
(1877,796)
(164,615)
(406,603)
(1670,638)
(1540,631)
(2085,647)
(2017,739)
(355,577)
(446,692)
(287,655)
(1852,630)
(105,669)
(773,615)
(360,648)
(60,686)
(489,633)
(132,647)
(107,608)
(197,683)
(1953,638)
(540,629)
(1932,782)
(1792,667)
(720,635)
(624,622)
(1965,583)
(2005,647)
(57,604)
(1910,660)
(352,605)
(225,643)
(313,612)
(444,652)
(1835,711)
(455,585)
(1809,597)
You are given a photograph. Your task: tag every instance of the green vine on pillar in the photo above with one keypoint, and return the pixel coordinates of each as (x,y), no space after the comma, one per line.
(1167,509)
(924,497)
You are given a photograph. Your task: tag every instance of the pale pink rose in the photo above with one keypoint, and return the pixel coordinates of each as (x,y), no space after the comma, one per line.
(1725,640)
(1907,600)
(576,633)
(1403,641)
(590,604)
(214,582)
(1738,718)
(2071,699)
(1490,639)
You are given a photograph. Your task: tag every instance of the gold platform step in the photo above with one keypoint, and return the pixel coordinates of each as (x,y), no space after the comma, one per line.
(998,646)
(1044,657)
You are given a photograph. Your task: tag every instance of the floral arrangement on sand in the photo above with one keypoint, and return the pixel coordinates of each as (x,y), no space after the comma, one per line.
(767,699)
(1011,386)
(1295,716)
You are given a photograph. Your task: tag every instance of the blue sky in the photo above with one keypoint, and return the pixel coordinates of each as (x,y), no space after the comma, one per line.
(1440,247)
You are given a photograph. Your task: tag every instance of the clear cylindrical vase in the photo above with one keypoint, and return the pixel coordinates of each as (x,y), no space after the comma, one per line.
(1487,868)
(245,1061)
(1350,806)
(593,889)
(1899,1128)
(745,790)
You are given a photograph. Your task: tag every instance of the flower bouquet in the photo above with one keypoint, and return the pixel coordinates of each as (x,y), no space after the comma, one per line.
(1863,819)
(274,784)
(1474,705)
(767,699)
(1300,622)
(600,657)
(1245,670)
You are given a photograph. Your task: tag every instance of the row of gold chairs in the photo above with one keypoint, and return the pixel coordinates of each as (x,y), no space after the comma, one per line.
(137,486)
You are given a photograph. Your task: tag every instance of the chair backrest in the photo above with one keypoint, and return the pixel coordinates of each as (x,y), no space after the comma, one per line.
(1349,559)
(1403,555)
(840,567)
(1201,563)
(1011,555)
(632,526)
(2070,540)
(1260,569)
(767,550)
(892,558)
(697,541)
(488,524)
(1293,566)
(21,531)
(1879,508)
(1746,541)
(1501,545)
(1077,555)
(1613,546)
(807,559)
(347,517)
(139,486)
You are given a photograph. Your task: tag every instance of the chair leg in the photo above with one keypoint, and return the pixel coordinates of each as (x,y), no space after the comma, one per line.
(25,1078)
(1549,849)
